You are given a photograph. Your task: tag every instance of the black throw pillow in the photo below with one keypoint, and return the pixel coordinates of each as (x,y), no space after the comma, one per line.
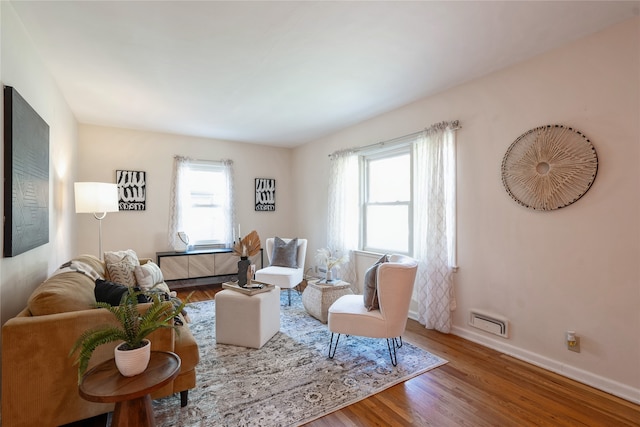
(112,293)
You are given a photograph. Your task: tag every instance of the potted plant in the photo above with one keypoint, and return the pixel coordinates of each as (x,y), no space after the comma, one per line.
(246,247)
(133,329)
(330,260)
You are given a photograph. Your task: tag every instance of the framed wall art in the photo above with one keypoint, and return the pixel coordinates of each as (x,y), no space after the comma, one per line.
(265,194)
(132,190)
(26,176)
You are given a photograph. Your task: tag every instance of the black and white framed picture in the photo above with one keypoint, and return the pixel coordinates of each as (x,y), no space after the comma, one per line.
(265,194)
(132,190)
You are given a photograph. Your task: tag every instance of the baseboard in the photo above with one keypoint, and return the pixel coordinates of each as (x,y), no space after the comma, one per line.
(604,384)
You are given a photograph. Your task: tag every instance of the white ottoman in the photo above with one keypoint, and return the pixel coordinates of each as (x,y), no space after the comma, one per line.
(248,321)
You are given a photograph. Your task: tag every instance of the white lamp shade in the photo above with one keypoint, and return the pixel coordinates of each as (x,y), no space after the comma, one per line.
(96,197)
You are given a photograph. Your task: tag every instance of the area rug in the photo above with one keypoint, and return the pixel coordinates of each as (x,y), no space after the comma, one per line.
(290,380)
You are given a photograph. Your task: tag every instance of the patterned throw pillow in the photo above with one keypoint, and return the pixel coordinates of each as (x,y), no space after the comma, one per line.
(285,254)
(148,274)
(121,266)
(370,293)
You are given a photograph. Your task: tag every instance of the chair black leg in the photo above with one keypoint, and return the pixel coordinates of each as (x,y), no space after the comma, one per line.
(391,346)
(332,347)
(289,295)
(184,398)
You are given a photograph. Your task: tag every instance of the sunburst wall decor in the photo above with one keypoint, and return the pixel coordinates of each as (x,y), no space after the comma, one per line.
(549,167)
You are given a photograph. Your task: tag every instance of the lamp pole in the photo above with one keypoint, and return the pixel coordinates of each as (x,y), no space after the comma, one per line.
(100,217)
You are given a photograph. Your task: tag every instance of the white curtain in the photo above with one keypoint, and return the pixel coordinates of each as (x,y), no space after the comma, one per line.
(230,206)
(343,209)
(179,195)
(435,224)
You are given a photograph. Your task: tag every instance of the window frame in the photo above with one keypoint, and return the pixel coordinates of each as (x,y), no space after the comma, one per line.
(378,154)
(211,167)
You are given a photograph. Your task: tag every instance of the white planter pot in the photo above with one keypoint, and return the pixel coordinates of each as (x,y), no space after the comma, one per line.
(133,362)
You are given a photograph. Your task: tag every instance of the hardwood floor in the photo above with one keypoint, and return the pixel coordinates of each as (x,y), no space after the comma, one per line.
(478,387)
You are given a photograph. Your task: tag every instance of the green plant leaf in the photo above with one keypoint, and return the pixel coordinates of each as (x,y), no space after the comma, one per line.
(133,327)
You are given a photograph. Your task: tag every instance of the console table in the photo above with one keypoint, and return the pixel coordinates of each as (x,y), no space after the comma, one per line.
(201,263)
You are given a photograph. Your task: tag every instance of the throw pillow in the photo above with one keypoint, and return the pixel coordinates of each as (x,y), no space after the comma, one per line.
(148,275)
(285,254)
(370,292)
(121,266)
(112,293)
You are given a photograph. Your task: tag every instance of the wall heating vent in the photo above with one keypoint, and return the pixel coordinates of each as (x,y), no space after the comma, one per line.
(491,323)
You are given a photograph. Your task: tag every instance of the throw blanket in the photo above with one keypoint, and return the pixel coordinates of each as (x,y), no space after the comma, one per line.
(79,267)
(171,296)
(87,270)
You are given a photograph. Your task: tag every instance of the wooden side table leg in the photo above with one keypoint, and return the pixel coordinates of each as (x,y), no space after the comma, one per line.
(134,413)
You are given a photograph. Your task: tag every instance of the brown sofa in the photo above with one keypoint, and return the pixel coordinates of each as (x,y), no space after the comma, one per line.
(39,380)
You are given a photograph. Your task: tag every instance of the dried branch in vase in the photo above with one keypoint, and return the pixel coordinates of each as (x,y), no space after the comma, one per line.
(248,246)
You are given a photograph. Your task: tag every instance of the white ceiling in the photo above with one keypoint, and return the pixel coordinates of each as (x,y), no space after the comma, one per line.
(284,73)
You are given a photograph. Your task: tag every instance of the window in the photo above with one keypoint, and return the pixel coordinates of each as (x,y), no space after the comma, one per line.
(387,208)
(206,203)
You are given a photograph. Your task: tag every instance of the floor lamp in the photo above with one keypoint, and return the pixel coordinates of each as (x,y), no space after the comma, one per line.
(97,198)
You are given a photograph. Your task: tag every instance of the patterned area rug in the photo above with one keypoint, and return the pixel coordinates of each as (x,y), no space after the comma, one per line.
(290,380)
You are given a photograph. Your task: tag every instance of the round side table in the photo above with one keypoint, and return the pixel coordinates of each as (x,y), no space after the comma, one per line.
(105,384)
(319,295)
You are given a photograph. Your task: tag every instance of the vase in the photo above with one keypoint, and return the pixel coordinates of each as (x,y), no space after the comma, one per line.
(243,265)
(133,362)
(329,276)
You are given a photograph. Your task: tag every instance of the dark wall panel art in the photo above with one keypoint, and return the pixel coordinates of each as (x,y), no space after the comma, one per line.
(26,176)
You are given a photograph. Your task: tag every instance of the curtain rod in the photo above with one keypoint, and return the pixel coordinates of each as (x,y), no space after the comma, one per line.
(177,156)
(453,125)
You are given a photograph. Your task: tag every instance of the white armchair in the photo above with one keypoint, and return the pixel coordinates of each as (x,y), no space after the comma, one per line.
(349,316)
(282,276)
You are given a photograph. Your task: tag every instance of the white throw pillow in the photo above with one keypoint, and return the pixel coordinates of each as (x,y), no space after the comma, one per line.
(121,266)
(148,275)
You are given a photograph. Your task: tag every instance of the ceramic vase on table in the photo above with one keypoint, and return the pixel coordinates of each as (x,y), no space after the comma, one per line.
(133,362)
(243,265)
(329,277)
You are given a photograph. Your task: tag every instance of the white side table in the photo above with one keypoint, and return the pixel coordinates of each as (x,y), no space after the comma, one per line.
(319,295)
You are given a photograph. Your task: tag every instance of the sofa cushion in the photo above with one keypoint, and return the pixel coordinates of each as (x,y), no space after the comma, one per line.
(370,293)
(148,274)
(62,292)
(285,254)
(121,266)
(70,288)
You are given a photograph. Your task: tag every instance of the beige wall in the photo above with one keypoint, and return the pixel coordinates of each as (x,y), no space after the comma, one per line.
(575,268)
(22,68)
(547,272)
(103,150)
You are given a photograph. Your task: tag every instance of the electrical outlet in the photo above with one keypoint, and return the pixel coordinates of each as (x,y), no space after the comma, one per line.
(573,341)
(574,346)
